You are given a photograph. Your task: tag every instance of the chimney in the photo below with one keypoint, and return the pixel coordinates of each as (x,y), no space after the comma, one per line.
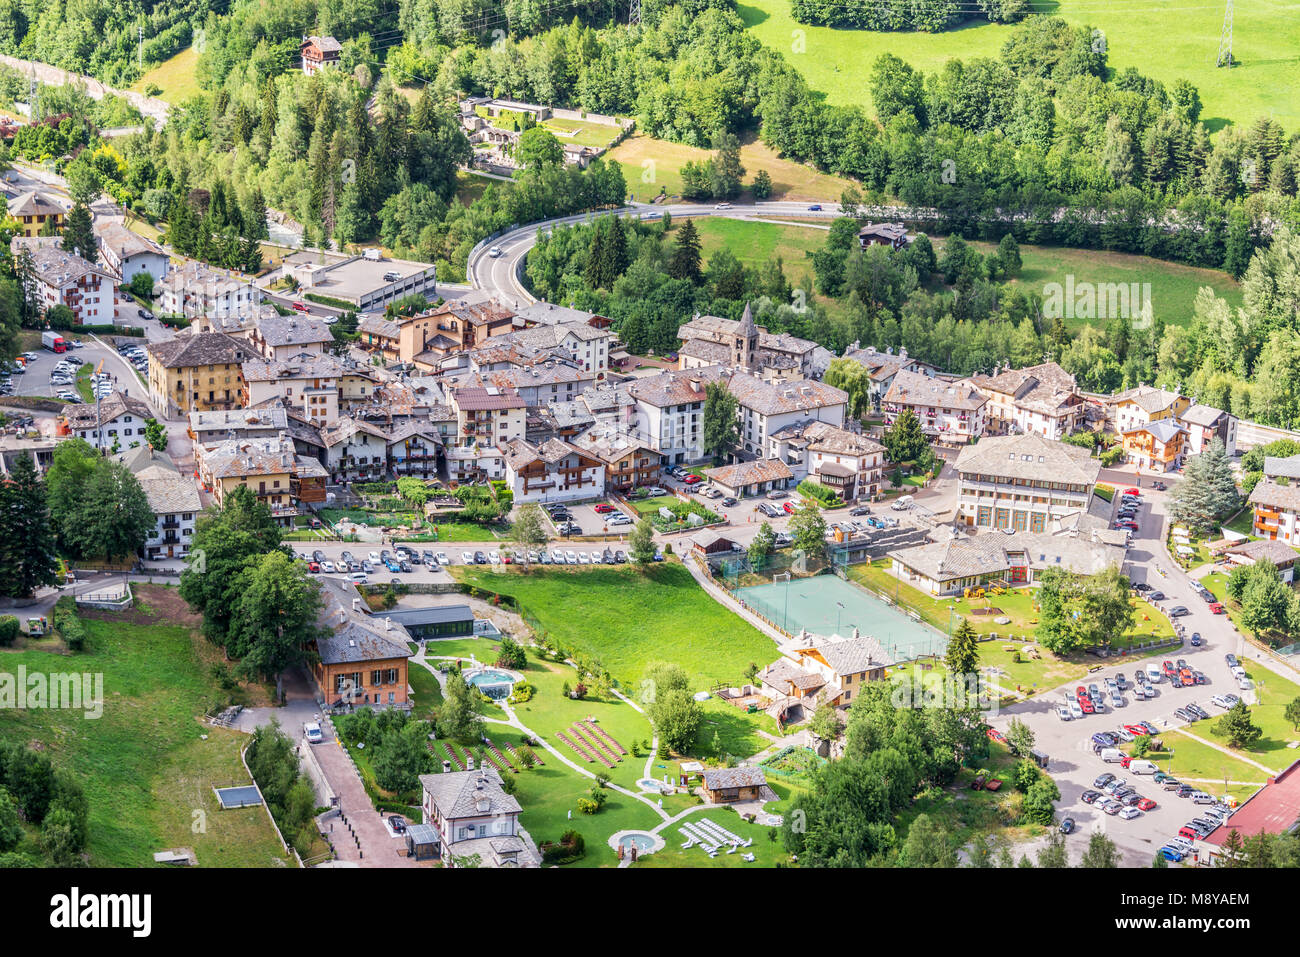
(356,604)
(388,623)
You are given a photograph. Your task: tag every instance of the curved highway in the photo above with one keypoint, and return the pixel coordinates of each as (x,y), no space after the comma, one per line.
(500,275)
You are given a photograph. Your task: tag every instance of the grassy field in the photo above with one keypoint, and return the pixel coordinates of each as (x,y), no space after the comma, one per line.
(630,618)
(1030,673)
(582,132)
(175,77)
(1173,286)
(1275,693)
(144,764)
(649,164)
(1266,45)
(1192,759)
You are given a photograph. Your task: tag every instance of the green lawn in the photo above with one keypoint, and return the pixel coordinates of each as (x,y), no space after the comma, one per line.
(1275,693)
(1173,286)
(581,132)
(175,76)
(646,506)
(629,618)
(1243,523)
(651,165)
(1192,759)
(144,764)
(1046,671)
(767,852)
(83,383)
(1165,39)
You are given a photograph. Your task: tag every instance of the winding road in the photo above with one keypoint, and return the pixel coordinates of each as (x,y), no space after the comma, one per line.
(502,274)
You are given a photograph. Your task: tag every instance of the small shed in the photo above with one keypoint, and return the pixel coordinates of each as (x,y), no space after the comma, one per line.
(711,543)
(423,842)
(729,785)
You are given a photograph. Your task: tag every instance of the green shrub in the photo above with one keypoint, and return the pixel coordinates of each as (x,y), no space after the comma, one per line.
(10,629)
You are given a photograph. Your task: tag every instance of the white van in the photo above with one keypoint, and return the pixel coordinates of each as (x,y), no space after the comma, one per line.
(1112,755)
(1142,767)
(1154,673)
(903,503)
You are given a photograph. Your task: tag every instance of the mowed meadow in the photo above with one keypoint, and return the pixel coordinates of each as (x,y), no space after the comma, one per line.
(1164,39)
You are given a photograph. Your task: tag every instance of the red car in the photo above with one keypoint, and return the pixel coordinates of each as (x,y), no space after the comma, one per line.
(1146,804)
(313,567)
(789,508)
(603,507)
(691,479)
(1085,705)
(1216,608)
(1136,729)
(299,305)
(995,735)
(1132,491)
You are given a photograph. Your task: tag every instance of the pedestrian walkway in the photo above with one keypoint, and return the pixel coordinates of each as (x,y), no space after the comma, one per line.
(358,833)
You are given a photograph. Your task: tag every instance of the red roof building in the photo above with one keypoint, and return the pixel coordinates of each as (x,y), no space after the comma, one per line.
(1273,809)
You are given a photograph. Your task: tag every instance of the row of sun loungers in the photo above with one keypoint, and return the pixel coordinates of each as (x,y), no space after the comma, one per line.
(598,747)
(603,736)
(711,837)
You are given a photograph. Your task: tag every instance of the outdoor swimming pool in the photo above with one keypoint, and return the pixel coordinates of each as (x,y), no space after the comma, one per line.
(828,605)
(492,682)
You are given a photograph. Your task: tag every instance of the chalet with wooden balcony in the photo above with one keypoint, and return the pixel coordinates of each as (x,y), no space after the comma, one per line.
(1159,445)
(554,471)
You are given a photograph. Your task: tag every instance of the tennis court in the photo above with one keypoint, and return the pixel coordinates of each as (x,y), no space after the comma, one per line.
(828,605)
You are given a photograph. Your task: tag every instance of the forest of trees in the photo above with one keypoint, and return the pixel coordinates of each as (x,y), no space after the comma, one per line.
(929,16)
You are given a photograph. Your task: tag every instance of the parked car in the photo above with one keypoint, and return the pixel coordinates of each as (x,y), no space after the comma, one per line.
(1178,611)
(1067,826)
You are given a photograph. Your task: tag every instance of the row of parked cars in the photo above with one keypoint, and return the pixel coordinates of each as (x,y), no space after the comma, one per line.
(138,358)
(556,556)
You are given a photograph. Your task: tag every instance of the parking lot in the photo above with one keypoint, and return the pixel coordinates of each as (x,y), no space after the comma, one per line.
(1069,744)
(34,379)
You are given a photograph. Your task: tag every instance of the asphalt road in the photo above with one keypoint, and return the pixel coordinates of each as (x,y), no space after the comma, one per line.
(500,273)
(1073,764)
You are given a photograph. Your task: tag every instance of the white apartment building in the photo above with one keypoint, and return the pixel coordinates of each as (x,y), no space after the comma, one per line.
(308,383)
(194,290)
(1042,399)
(952,412)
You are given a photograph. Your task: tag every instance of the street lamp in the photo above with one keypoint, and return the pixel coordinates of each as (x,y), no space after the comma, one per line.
(838,614)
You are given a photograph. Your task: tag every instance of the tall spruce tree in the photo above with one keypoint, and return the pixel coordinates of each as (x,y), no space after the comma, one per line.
(685,261)
(26,535)
(79,234)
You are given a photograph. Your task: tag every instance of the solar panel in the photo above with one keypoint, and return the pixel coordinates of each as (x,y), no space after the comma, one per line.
(246,796)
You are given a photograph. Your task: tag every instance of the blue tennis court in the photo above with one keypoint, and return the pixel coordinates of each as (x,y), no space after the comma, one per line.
(238,797)
(828,605)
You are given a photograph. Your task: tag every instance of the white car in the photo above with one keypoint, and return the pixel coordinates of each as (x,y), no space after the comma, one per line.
(466,557)
(583,559)
(328,568)
(495,252)
(571,557)
(1122,734)
(313,733)
(655,492)
(494,558)
(1064,713)
(557,558)
(1075,710)
(443,559)
(1129,813)
(374,557)
(1219,700)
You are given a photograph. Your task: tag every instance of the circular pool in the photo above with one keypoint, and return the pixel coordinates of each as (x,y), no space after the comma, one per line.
(493,682)
(643,841)
(650,784)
